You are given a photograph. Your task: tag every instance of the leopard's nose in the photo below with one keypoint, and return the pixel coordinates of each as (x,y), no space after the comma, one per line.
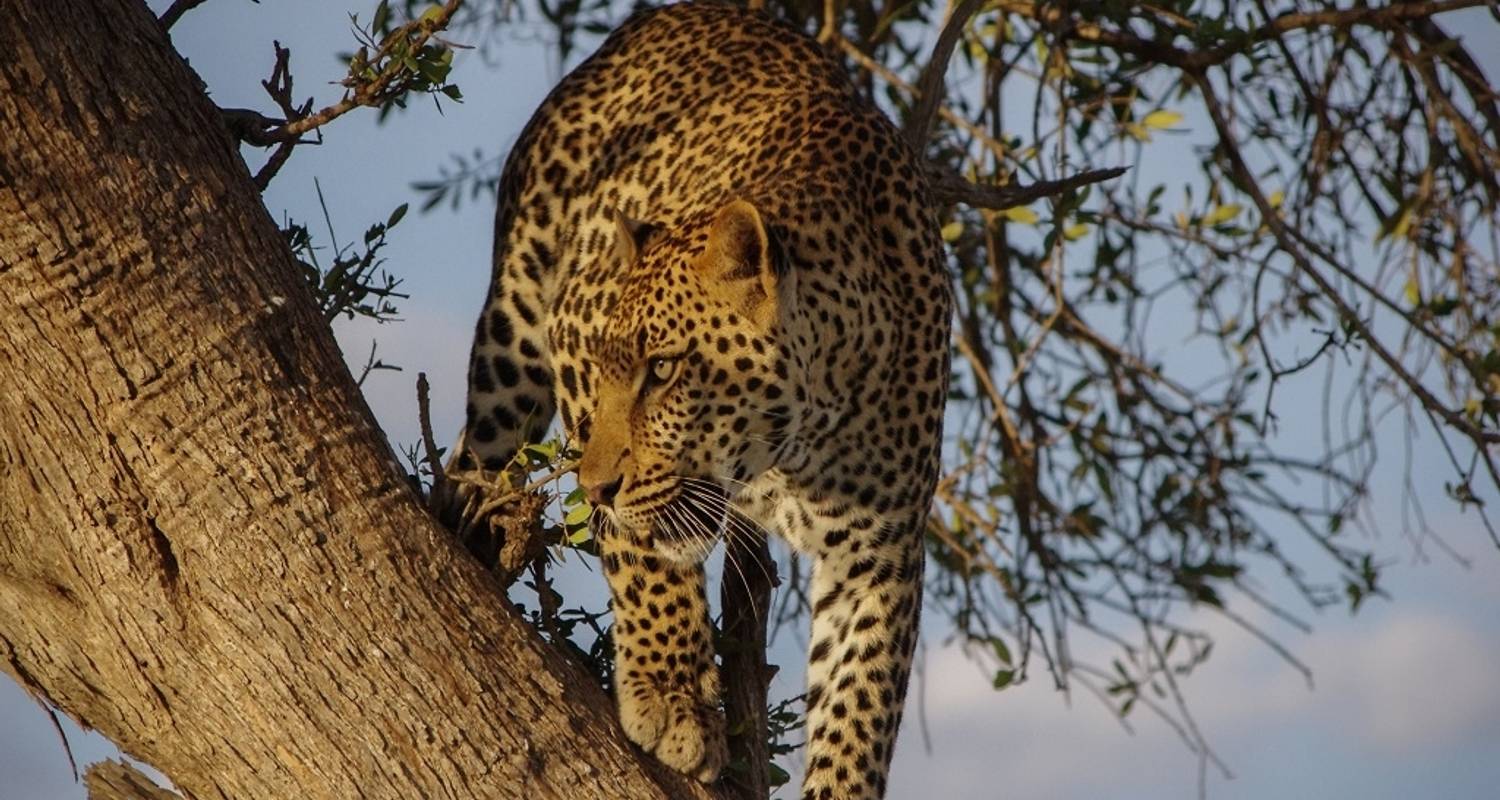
(604,493)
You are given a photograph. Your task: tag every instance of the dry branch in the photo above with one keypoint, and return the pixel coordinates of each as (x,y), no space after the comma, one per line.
(176,10)
(117,780)
(949,187)
(1288,241)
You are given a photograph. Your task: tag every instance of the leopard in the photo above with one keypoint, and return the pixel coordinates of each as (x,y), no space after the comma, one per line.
(720,262)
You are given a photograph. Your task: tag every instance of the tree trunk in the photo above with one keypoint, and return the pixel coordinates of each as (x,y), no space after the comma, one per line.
(207,550)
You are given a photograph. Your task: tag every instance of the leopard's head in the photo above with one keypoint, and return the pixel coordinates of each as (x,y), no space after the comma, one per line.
(693,391)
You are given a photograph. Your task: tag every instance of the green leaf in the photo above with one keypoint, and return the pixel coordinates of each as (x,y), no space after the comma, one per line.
(1003,678)
(396,216)
(541,454)
(1001,651)
(579,514)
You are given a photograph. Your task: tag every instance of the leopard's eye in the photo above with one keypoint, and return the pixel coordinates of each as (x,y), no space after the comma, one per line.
(659,370)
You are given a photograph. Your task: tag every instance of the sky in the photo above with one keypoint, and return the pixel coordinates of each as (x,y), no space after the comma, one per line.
(1404,701)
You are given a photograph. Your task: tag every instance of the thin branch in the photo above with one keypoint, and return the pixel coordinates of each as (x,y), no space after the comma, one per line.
(429,444)
(949,187)
(176,10)
(61,734)
(279,87)
(374,92)
(952,117)
(1288,243)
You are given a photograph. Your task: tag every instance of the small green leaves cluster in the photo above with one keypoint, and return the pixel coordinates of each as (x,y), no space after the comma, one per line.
(467,178)
(354,282)
(393,60)
(784,720)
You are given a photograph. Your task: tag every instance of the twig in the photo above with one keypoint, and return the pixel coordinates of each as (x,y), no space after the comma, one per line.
(491,486)
(1288,241)
(424,418)
(929,89)
(170,17)
(57,726)
(299,119)
(279,87)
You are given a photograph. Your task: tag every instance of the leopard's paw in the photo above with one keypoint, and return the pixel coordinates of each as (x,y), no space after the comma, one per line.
(682,732)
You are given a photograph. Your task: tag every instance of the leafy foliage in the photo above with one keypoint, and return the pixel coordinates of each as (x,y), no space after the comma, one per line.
(394,61)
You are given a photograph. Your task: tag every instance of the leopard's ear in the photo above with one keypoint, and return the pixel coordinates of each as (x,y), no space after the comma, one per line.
(630,236)
(743,262)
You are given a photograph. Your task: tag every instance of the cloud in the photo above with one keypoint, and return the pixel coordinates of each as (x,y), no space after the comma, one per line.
(1403,691)
(1420,682)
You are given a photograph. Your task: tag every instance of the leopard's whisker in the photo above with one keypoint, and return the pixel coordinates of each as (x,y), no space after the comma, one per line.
(737,526)
(729,558)
(688,529)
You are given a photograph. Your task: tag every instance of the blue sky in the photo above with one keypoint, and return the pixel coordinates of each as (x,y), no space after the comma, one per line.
(1404,701)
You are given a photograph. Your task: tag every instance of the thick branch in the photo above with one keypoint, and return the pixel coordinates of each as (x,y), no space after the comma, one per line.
(929,89)
(749,576)
(1162,52)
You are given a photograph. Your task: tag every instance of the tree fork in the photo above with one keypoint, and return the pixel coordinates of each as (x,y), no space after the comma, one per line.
(207,550)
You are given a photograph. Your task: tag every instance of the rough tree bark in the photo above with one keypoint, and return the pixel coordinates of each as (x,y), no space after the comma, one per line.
(207,550)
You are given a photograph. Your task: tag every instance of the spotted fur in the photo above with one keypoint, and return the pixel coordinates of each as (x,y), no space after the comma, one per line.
(766,348)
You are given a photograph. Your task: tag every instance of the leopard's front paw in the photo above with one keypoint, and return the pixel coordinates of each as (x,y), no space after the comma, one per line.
(683,732)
